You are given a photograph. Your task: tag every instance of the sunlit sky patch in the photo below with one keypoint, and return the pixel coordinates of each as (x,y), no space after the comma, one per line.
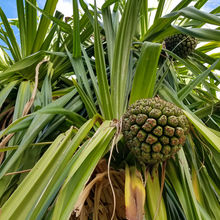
(65,6)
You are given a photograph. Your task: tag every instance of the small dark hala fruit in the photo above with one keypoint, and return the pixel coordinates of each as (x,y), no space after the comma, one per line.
(181,44)
(154,129)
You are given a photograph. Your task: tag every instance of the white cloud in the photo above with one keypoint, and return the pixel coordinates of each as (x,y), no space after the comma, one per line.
(41,3)
(99,3)
(65,6)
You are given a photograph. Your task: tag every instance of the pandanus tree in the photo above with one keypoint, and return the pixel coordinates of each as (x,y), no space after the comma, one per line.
(70,149)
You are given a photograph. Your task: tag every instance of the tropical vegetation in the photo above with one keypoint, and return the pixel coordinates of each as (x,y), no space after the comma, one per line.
(65,85)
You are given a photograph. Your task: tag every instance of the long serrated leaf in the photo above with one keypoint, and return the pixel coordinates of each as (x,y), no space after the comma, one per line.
(181,5)
(194,13)
(81,171)
(212,202)
(202,33)
(6,91)
(145,75)
(74,117)
(62,24)
(74,105)
(22,64)
(31,25)
(159,26)
(42,30)
(11,36)
(105,104)
(23,96)
(59,172)
(108,3)
(22,26)
(90,107)
(159,9)
(19,124)
(144,17)
(48,39)
(41,172)
(121,56)
(87,12)
(178,181)
(38,123)
(191,66)
(206,59)
(87,32)
(80,72)
(109,32)
(76,32)
(153,195)
(211,137)
(92,75)
(191,85)
(209,46)
(46,90)
(186,175)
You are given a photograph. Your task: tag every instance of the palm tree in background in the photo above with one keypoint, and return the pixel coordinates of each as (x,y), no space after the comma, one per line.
(64,90)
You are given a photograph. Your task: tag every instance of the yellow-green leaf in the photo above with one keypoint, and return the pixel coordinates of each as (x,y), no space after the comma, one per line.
(211,137)
(134,194)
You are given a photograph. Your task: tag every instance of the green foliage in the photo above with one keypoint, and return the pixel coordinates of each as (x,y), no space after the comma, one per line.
(99,61)
(150,54)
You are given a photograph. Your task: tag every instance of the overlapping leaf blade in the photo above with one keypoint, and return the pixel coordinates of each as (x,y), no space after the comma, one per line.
(105,101)
(38,123)
(145,75)
(83,165)
(121,56)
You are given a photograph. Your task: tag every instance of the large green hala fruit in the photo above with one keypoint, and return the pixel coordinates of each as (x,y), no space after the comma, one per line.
(154,130)
(181,44)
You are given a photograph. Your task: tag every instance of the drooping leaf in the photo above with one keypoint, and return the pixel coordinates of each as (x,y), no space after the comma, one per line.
(77,119)
(6,91)
(22,64)
(145,75)
(108,3)
(201,33)
(81,170)
(38,123)
(189,87)
(194,13)
(211,137)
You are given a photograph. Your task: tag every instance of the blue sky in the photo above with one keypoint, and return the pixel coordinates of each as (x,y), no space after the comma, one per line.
(10,9)
(9,6)
(211,4)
